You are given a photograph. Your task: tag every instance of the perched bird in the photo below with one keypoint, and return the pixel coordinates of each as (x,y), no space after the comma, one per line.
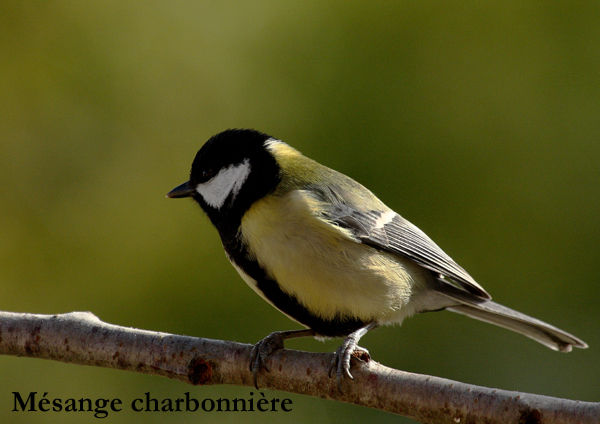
(327,252)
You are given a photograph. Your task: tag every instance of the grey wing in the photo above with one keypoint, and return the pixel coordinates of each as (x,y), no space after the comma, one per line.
(388,231)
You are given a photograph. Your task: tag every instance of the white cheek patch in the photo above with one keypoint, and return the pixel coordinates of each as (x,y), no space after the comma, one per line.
(229,180)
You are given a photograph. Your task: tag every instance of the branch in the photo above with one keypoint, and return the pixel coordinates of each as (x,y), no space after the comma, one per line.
(82,338)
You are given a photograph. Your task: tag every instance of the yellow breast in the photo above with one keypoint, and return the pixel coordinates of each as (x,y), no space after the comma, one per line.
(328,271)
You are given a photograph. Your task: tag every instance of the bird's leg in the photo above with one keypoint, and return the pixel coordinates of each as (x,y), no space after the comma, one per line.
(341,357)
(264,348)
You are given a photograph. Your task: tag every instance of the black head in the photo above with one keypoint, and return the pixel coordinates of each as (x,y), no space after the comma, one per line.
(231,171)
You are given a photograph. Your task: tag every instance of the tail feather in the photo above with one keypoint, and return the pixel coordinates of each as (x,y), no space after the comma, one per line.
(494,313)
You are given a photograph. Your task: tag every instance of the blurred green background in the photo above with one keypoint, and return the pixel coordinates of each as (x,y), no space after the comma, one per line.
(479,122)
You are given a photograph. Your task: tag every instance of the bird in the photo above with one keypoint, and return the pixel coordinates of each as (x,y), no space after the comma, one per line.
(329,254)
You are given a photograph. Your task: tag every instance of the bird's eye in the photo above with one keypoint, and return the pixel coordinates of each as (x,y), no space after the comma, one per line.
(207,174)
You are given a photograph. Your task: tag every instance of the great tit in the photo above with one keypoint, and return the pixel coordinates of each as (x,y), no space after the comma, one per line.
(327,252)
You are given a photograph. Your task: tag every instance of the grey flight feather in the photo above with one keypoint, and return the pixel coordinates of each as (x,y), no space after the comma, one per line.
(399,236)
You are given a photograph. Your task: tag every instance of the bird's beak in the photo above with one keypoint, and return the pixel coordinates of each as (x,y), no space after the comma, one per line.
(182,190)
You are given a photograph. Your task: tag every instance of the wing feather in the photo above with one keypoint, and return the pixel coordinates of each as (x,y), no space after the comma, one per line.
(388,231)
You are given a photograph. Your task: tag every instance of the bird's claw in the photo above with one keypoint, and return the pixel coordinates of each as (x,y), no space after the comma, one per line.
(340,363)
(261,351)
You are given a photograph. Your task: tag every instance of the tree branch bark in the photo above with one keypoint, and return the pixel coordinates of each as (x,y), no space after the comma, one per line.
(82,338)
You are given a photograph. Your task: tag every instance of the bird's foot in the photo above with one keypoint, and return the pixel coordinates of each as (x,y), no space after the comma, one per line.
(261,351)
(340,363)
(267,346)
